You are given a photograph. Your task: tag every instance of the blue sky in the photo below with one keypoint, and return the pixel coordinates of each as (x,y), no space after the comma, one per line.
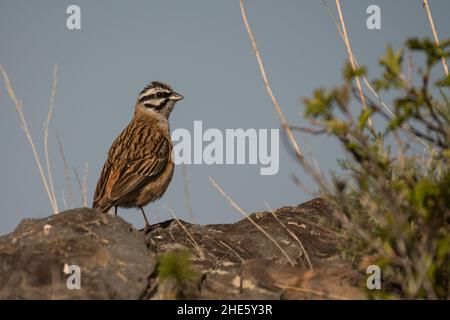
(202,50)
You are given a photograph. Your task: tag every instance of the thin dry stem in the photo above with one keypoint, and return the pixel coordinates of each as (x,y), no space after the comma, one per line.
(410,72)
(302,186)
(236,206)
(232,250)
(367,83)
(71,194)
(197,247)
(281,116)
(293,235)
(313,292)
(24,125)
(317,175)
(46,127)
(435,35)
(84,189)
(80,185)
(64,201)
(350,58)
(187,194)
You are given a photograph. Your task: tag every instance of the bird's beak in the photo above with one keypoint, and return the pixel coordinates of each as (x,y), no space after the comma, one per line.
(176,96)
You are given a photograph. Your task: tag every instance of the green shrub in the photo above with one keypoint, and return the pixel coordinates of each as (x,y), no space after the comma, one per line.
(175,265)
(393,195)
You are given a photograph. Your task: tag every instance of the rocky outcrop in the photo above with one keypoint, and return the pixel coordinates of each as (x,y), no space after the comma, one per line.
(290,255)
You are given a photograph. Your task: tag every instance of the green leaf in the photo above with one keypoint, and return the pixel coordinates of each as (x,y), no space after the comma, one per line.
(363,117)
(318,104)
(444,82)
(349,73)
(432,51)
(392,61)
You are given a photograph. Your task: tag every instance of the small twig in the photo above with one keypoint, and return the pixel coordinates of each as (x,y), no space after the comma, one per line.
(351,59)
(199,250)
(281,116)
(409,77)
(367,83)
(293,235)
(317,175)
(236,206)
(232,250)
(24,125)
(313,292)
(301,185)
(71,194)
(435,35)
(308,130)
(187,195)
(46,127)
(64,201)
(80,185)
(84,189)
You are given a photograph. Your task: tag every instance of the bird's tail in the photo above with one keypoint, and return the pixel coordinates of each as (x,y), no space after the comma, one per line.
(102,206)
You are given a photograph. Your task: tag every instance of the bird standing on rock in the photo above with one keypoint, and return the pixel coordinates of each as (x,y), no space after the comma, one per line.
(139,166)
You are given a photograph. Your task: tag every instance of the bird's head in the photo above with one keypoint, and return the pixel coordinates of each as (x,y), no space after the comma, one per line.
(157,97)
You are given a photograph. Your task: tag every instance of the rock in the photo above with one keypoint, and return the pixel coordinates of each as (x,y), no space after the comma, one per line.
(295,257)
(112,256)
(239,261)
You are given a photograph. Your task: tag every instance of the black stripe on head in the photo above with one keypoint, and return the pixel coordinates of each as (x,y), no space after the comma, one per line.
(156,104)
(156,84)
(158,95)
(155,95)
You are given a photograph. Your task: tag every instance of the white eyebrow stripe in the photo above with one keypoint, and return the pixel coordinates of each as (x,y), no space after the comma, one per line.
(155,102)
(149,92)
(153,91)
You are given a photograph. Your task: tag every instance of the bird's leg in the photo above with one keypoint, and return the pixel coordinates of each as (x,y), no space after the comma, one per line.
(115,210)
(147,224)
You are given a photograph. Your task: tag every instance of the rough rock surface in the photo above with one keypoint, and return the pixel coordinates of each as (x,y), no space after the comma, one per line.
(295,258)
(113,258)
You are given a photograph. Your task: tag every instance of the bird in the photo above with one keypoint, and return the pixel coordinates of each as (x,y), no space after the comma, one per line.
(139,165)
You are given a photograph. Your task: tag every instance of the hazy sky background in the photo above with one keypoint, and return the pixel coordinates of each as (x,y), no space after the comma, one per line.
(202,50)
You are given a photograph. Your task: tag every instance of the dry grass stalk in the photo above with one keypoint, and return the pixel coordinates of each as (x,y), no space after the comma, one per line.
(293,235)
(302,186)
(281,116)
(197,247)
(82,185)
(24,125)
(313,292)
(435,35)
(316,174)
(46,127)
(352,60)
(239,209)
(232,250)
(187,195)
(367,83)
(64,201)
(84,189)
(71,195)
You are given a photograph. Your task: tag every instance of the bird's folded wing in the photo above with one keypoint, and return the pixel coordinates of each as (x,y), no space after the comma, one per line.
(129,174)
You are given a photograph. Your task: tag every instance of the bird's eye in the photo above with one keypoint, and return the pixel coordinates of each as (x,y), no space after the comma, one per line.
(159,94)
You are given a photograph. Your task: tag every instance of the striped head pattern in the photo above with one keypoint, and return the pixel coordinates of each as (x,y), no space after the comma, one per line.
(159,97)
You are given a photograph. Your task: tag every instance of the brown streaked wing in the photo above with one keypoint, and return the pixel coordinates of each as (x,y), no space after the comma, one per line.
(99,189)
(150,158)
(112,167)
